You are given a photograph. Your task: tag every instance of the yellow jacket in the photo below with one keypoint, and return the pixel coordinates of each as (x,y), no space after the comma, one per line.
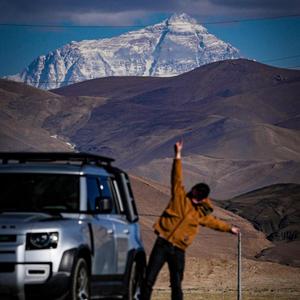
(180,221)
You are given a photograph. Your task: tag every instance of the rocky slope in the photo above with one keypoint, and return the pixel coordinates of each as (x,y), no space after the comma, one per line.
(274,210)
(22,112)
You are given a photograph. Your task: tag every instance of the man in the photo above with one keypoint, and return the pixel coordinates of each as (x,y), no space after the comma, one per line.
(177,227)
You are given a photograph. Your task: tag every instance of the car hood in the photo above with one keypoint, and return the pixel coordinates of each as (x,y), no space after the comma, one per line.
(17,222)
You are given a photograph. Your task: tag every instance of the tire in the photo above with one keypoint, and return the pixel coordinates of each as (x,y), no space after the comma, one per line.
(80,281)
(134,283)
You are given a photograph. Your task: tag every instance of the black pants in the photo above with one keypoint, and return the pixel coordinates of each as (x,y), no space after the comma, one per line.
(162,252)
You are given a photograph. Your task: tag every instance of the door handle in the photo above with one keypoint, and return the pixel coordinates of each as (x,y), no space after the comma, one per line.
(109,231)
(126,231)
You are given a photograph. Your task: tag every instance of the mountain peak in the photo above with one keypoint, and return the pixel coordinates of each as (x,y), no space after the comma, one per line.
(184,23)
(181,18)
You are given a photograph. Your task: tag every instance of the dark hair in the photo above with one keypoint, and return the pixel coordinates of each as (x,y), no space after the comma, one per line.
(200,191)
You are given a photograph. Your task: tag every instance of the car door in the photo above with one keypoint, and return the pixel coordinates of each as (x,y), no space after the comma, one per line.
(103,230)
(123,229)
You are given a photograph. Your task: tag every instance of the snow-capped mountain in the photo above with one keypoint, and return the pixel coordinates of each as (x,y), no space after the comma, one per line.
(174,46)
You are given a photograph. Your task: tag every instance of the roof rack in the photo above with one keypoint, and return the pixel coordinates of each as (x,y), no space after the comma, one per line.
(85,158)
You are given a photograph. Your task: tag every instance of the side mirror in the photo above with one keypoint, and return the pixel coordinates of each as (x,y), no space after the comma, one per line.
(104,205)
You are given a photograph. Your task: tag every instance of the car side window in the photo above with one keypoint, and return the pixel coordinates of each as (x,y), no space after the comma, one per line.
(101,187)
(93,192)
(105,188)
(108,191)
(98,189)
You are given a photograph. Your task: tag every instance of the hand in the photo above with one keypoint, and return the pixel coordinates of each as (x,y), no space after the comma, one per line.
(235,230)
(178,147)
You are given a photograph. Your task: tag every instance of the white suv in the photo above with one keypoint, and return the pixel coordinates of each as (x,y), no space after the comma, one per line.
(68,228)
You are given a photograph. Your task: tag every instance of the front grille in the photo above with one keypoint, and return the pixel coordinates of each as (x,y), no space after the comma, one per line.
(7,267)
(8,238)
(7,252)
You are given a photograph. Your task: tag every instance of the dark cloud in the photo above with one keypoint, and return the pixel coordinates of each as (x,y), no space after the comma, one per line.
(52,11)
(258,4)
(126,12)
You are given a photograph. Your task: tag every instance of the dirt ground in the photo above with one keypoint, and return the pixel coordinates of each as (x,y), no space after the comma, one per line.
(200,295)
(217,280)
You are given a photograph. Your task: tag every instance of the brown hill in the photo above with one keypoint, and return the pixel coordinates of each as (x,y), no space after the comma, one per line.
(235,88)
(21,117)
(24,110)
(229,113)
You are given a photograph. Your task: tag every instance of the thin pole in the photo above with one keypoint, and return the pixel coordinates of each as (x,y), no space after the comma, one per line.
(239,266)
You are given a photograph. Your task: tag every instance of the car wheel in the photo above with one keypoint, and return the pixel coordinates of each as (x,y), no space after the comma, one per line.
(80,281)
(134,284)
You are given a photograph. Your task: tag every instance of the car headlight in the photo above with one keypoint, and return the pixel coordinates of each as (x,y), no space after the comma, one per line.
(41,240)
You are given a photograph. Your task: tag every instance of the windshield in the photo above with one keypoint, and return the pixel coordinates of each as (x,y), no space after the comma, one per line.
(39,192)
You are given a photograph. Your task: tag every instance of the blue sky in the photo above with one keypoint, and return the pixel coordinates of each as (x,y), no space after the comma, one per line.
(273,40)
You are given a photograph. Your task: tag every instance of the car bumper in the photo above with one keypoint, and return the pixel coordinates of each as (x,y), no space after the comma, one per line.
(34,280)
(57,286)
